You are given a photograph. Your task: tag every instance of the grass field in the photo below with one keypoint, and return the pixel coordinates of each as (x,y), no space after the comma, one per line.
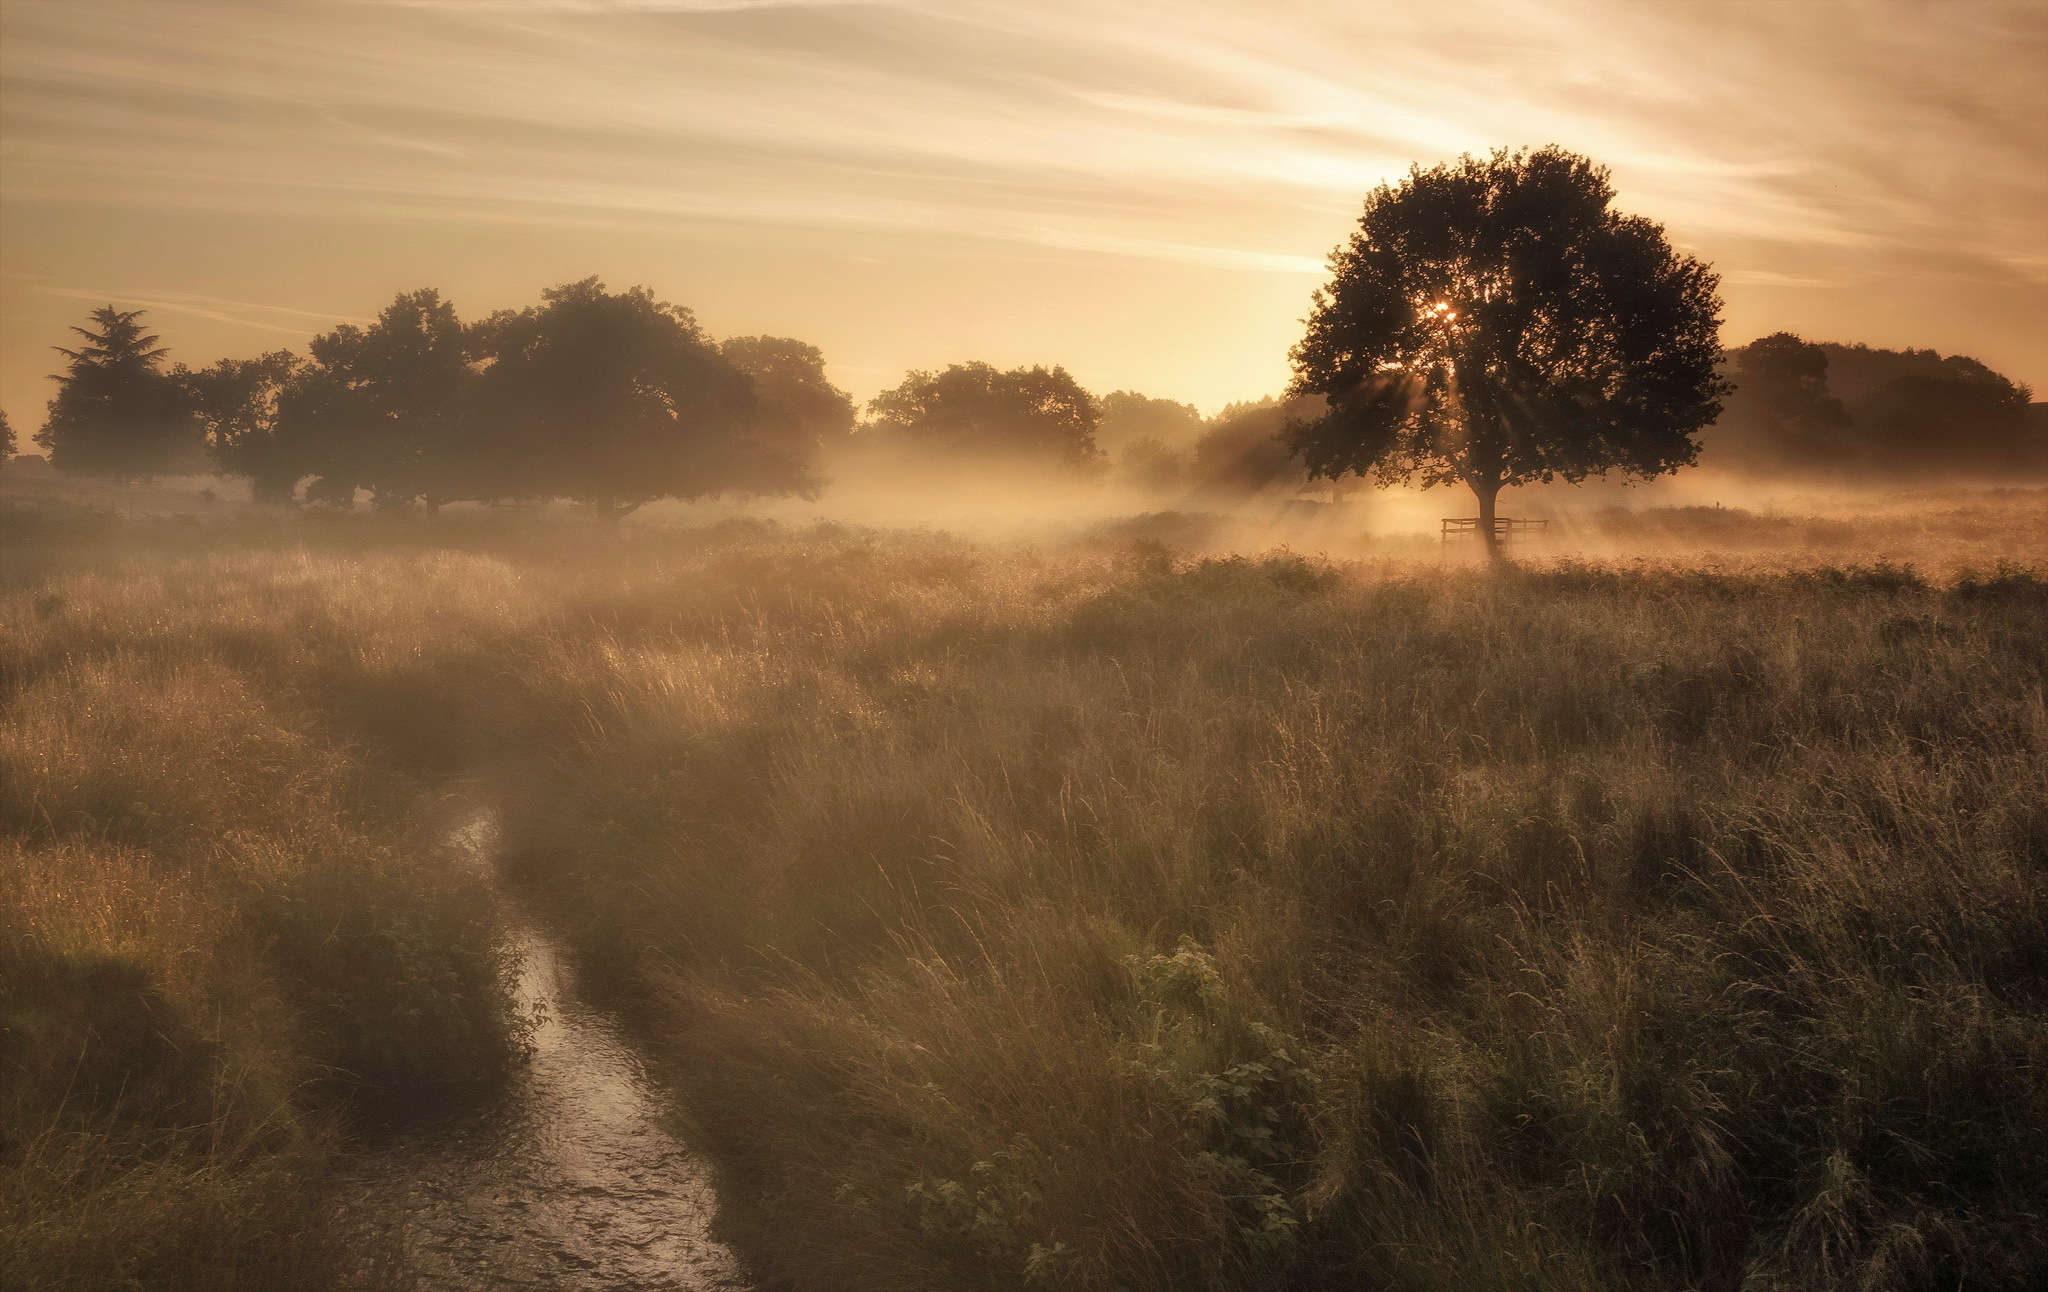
(1076,915)
(225,913)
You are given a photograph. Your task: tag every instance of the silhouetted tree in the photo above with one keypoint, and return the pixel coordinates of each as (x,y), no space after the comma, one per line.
(1128,416)
(6,438)
(1493,322)
(1851,413)
(236,401)
(117,416)
(801,412)
(1921,414)
(1245,452)
(1779,413)
(380,407)
(977,412)
(616,399)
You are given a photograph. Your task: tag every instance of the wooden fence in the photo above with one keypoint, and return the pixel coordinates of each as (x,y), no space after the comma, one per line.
(1505,529)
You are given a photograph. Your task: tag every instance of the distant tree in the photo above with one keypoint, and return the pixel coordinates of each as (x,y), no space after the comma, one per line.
(1779,413)
(1245,451)
(1920,414)
(617,399)
(1128,416)
(1492,322)
(976,411)
(381,407)
(6,438)
(801,412)
(1851,413)
(237,401)
(331,491)
(1151,464)
(117,416)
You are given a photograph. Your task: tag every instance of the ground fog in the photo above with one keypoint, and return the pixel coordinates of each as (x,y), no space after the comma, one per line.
(1101,909)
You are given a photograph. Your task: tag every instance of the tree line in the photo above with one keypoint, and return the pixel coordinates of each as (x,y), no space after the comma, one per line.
(1819,410)
(1491,322)
(608,399)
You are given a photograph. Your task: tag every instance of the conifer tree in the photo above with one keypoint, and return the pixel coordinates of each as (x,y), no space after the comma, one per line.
(117,416)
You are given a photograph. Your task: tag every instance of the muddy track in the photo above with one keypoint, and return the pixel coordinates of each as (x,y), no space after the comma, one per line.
(568,1178)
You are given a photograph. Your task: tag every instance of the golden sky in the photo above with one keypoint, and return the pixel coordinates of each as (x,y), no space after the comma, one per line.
(1142,191)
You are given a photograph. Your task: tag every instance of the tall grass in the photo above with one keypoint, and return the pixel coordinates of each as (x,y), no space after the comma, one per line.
(1008,917)
(223,918)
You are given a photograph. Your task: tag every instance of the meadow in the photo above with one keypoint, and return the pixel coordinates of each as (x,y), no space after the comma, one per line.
(1082,913)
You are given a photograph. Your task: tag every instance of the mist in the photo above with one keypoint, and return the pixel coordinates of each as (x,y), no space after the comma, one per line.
(918,646)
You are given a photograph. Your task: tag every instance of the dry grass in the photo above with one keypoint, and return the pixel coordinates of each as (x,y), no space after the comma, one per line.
(1007,917)
(1262,923)
(222,920)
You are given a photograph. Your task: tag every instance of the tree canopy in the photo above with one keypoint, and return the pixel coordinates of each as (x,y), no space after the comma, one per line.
(237,403)
(380,407)
(800,412)
(1779,411)
(117,415)
(976,411)
(1128,416)
(1854,413)
(1493,322)
(616,399)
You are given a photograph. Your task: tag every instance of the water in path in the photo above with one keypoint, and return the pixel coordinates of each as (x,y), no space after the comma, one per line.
(567,1179)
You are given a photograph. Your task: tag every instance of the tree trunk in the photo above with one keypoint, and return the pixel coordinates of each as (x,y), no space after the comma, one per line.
(1487,491)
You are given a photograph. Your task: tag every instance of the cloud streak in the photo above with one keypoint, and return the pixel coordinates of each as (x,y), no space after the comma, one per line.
(1102,123)
(1815,146)
(208,307)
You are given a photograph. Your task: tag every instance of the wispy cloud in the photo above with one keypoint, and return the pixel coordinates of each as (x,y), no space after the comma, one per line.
(1827,143)
(208,307)
(1772,278)
(1144,125)
(1178,253)
(607,6)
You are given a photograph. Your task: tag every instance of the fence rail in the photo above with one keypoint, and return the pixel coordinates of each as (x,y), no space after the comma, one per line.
(1505,529)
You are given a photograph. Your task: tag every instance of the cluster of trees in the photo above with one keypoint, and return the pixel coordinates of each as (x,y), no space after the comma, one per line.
(608,398)
(1492,322)
(611,399)
(1811,410)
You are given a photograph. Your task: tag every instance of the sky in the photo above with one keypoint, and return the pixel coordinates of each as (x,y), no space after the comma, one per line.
(1142,191)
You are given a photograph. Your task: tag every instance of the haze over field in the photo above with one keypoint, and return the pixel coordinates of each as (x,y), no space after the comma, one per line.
(734,645)
(1142,192)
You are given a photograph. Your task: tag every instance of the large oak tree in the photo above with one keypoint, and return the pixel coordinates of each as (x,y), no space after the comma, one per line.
(1493,322)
